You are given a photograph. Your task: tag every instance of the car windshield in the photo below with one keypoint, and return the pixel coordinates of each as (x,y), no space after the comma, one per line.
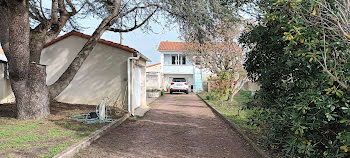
(179,80)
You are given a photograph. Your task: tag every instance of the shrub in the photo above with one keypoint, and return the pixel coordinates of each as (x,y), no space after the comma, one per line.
(221,86)
(307,111)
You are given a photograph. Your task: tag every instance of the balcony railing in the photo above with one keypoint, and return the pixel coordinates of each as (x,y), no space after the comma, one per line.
(177,69)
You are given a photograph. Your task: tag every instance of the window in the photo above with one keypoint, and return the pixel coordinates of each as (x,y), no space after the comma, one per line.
(178,59)
(179,80)
(183,60)
(173,59)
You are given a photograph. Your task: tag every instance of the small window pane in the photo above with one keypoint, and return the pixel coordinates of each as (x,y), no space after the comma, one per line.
(173,60)
(183,60)
(179,80)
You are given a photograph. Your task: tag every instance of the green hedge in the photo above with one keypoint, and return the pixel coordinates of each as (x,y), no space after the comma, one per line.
(306,111)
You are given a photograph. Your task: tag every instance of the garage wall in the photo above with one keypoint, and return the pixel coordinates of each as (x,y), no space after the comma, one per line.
(142,64)
(153,80)
(103,74)
(6,94)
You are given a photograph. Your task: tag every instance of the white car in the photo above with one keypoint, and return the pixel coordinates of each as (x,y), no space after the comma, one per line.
(179,85)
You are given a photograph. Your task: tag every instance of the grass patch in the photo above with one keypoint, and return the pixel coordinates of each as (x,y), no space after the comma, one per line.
(151,105)
(55,150)
(234,110)
(45,137)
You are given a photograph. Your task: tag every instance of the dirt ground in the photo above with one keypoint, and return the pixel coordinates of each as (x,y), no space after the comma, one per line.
(178,125)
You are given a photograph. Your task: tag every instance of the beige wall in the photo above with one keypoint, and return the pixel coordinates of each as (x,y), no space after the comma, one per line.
(153,77)
(103,74)
(6,94)
(153,80)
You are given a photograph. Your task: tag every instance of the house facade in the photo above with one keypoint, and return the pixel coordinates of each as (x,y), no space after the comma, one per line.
(111,70)
(175,63)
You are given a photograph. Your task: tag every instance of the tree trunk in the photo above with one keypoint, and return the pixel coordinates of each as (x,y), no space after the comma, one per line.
(78,61)
(29,88)
(39,100)
(68,75)
(32,97)
(27,76)
(240,83)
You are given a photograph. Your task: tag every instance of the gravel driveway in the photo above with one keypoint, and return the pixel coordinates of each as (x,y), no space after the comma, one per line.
(178,125)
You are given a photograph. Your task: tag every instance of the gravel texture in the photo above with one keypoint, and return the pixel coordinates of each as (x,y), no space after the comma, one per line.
(178,125)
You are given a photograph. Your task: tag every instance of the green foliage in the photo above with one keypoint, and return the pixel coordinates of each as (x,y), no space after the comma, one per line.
(245,93)
(235,111)
(307,111)
(222,85)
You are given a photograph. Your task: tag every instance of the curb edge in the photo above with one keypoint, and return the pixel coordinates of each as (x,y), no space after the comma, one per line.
(236,128)
(75,148)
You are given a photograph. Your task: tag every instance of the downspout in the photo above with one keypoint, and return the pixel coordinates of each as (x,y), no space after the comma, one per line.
(129,83)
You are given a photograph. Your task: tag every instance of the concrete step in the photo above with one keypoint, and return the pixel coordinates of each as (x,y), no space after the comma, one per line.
(141,111)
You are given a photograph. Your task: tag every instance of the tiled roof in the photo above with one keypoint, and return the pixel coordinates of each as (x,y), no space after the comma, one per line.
(171,46)
(152,65)
(180,46)
(102,41)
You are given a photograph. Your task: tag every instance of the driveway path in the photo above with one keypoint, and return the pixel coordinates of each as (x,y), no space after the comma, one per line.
(178,125)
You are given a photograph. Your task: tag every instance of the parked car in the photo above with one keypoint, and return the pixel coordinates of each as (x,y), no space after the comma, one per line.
(179,85)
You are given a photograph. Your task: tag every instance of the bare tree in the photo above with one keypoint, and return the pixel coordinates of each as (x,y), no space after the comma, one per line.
(221,53)
(28,77)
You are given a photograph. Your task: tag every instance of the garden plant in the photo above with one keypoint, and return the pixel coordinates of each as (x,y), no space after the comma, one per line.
(303,72)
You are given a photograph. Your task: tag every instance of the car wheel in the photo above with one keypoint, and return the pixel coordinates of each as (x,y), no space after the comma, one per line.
(171,92)
(186,92)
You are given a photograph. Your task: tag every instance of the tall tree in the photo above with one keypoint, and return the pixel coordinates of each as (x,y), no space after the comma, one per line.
(28,77)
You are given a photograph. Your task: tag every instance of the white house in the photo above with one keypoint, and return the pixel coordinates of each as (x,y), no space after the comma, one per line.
(174,64)
(111,70)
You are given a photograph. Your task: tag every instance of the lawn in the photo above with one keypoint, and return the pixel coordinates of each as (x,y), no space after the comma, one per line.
(44,137)
(231,110)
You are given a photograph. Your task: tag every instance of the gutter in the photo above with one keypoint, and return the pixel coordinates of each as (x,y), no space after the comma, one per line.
(129,83)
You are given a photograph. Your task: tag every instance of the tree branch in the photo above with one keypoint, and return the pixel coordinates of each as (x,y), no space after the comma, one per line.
(135,26)
(65,79)
(54,11)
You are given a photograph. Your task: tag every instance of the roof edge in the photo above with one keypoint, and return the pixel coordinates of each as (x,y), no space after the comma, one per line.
(102,41)
(152,65)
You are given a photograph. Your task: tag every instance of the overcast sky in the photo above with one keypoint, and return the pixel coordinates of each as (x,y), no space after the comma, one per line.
(146,43)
